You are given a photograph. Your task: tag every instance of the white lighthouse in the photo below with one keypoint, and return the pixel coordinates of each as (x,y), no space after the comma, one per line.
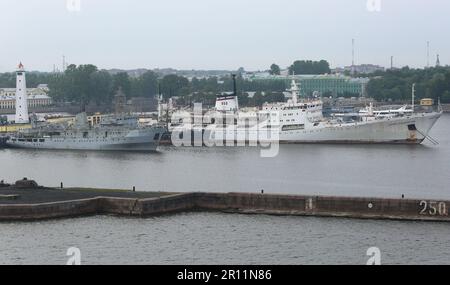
(21,96)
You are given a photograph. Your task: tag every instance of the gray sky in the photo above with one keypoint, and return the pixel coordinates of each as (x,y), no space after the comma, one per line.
(220,34)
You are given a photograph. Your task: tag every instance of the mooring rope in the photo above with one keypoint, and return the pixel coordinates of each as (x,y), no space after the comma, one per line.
(431,139)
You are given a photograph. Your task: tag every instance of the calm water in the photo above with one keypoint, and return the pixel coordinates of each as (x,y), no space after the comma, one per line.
(383,171)
(210,238)
(352,170)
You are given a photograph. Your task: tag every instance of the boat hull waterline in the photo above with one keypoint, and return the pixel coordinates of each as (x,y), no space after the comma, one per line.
(143,140)
(401,130)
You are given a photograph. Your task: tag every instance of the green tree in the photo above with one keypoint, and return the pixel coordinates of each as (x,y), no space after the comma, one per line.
(145,86)
(81,84)
(257,99)
(174,85)
(309,67)
(275,69)
(8,80)
(101,83)
(243,98)
(240,71)
(122,80)
(79,87)
(396,84)
(446,97)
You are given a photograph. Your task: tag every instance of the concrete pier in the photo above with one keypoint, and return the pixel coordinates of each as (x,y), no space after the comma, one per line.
(45,203)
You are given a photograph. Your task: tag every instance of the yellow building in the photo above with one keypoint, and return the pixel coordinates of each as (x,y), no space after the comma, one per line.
(95,119)
(426,102)
(14,128)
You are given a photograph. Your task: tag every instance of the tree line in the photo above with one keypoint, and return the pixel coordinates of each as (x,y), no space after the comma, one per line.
(303,67)
(85,84)
(396,84)
(310,67)
(8,79)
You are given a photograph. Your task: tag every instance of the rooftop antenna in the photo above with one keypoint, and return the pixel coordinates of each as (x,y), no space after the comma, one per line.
(392,62)
(353,56)
(234,84)
(160,97)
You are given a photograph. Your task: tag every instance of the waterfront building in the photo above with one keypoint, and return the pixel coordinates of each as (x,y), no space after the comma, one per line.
(361,69)
(36,97)
(333,84)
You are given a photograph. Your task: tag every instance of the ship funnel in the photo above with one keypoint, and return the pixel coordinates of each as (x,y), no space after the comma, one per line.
(226,102)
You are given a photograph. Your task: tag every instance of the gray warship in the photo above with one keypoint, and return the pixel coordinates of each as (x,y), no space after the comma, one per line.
(114,132)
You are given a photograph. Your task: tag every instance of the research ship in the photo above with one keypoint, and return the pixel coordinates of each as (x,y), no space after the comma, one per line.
(115,133)
(301,121)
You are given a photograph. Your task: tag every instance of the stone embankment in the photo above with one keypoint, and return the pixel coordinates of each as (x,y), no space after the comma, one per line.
(26,201)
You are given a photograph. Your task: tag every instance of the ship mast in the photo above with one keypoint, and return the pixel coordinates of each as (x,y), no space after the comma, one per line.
(295,91)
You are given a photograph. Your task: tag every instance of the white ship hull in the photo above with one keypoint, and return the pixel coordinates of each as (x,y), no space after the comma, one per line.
(394,130)
(398,130)
(301,121)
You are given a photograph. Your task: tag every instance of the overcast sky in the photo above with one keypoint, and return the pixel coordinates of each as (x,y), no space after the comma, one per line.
(220,34)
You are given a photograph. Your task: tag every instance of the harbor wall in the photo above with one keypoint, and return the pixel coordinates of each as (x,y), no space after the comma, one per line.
(146,207)
(49,210)
(244,203)
(351,207)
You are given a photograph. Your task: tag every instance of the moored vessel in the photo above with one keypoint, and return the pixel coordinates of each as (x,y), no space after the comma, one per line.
(302,121)
(119,133)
